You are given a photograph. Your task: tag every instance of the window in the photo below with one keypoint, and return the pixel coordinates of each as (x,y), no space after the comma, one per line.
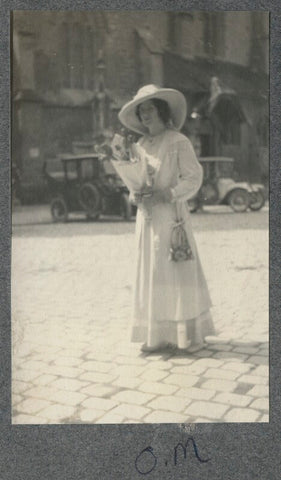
(77,56)
(213,33)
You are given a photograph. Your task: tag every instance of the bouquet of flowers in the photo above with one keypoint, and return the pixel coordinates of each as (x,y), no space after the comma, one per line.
(134,167)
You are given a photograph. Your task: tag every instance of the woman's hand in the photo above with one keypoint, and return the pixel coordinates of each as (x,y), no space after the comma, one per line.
(161,196)
(135,198)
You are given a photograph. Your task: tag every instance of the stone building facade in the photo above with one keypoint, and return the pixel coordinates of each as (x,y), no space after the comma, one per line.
(73,70)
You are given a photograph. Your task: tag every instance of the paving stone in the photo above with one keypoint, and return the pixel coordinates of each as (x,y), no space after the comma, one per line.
(219,385)
(233,356)
(237,367)
(68,384)
(100,357)
(71,372)
(158,388)
(105,404)
(130,411)
(161,416)
(128,371)
(67,361)
(90,415)
(101,367)
(221,374)
(258,360)
(233,399)
(175,404)
(196,393)
(132,396)
(32,405)
(181,380)
(259,391)
(57,413)
(203,420)
(244,342)
(246,350)
(162,365)
(263,352)
(28,420)
(220,347)
(154,357)
(98,390)
(98,377)
(131,420)
(181,360)
(44,380)
(122,360)
(261,404)
(209,362)
(261,370)
(55,395)
(243,415)
(16,399)
(217,340)
(261,339)
(264,419)
(33,365)
(192,369)
(25,375)
(152,375)
(255,379)
(112,418)
(207,409)
(129,382)
(242,388)
(204,353)
(20,387)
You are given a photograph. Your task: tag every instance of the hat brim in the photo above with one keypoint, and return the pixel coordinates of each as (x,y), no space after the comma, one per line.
(175,99)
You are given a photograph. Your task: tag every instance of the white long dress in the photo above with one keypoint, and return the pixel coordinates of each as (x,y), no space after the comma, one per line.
(171,299)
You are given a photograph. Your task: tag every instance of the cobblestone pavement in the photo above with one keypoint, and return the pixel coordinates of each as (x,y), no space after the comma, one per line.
(73,361)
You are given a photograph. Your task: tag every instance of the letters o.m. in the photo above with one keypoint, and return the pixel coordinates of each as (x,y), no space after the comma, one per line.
(141,463)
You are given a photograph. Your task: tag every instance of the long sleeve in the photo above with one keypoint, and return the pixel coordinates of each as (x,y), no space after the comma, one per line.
(190,171)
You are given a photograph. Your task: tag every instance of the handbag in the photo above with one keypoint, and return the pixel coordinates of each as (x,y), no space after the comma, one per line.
(180,250)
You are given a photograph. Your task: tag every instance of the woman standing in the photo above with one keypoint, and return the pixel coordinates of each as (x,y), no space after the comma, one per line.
(171,299)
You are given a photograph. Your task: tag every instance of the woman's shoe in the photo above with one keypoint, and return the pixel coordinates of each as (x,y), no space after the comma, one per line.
(146,349)
(192,348)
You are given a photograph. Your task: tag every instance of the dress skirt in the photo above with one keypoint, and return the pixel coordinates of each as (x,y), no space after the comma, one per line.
(171,302)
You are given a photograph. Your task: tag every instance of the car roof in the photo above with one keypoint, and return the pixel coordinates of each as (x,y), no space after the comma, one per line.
(215,159)
(81,156)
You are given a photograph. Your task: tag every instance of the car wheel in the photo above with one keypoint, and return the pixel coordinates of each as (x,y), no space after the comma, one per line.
(125,207)
(90,199)
(59,210)
(257,200)
(239,200)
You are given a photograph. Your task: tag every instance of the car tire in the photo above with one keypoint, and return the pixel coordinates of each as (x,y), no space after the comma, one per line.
(257,201)
(59,209)
(239,200)
(125,207)
(90,199)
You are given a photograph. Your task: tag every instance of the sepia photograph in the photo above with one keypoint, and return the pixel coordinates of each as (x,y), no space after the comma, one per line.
(140,217)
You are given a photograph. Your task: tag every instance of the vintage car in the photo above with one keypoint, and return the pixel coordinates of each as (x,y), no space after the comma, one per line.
(86,184)
(219,187)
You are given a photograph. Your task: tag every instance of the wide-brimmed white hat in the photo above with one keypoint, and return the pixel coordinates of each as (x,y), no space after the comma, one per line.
(175,99)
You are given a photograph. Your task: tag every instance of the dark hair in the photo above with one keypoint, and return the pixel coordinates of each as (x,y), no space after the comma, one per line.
(162,109)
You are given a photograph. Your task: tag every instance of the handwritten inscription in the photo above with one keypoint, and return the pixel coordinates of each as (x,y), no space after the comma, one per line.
(147,460)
